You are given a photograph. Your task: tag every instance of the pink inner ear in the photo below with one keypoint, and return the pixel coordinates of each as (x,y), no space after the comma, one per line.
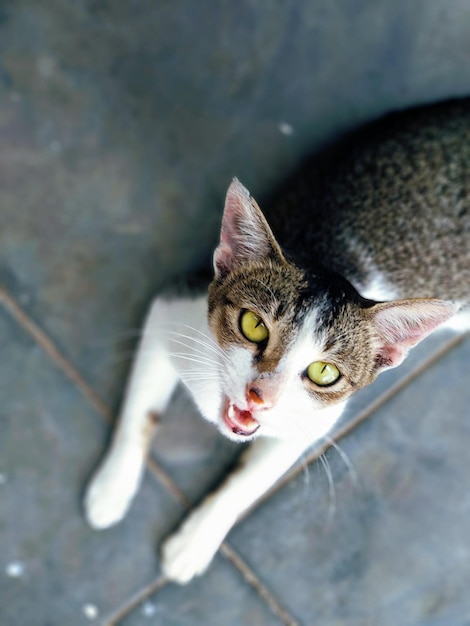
(390,356)
(245,234)
(223,258)
(406,332)
(235,207)
(403,324)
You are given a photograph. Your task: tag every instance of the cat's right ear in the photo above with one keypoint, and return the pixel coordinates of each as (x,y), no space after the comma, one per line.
(245,234)
(402,324)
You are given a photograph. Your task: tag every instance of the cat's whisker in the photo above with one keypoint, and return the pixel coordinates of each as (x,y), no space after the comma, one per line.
(207,337)
(163,327)
(203,334)
(344,457)
(306,476)
(208,342)
(203,366)
(324,461)
(194,350)
(202,369)
(212,346)
(195,359)
(201,384)
(202,373)
(305,465)
(202,359)
(202,351)
(346,460)
(331,486)
(129,355)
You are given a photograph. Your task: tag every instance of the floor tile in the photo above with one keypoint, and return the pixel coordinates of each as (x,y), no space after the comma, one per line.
(121,125)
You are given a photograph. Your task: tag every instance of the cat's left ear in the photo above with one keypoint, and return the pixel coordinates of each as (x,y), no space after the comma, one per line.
(402,324)
(245,235)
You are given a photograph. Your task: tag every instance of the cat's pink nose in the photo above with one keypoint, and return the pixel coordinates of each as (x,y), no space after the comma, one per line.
(255,398)
(255,395)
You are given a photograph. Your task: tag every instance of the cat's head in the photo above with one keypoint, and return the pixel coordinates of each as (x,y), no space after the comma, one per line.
(296,343)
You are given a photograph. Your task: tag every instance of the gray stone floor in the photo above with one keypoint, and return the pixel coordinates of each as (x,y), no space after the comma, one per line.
(120,126)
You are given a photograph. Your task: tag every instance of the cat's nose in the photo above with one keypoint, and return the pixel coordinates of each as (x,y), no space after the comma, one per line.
(256,399)
(255,395)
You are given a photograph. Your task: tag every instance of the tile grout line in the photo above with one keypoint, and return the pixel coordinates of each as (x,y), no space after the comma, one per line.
(231,555)
(49,347)
(251,578)
(41,338)
(134,601)
(72,374)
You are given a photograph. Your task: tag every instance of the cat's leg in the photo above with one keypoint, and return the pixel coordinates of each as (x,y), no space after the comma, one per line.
(189,551)
(151,384)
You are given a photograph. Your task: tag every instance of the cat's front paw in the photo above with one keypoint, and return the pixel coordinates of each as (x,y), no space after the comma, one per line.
(189,551)
(109,494)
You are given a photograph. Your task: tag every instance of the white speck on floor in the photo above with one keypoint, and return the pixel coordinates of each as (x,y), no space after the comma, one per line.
(148,609)
(286,129)
(90,611)
(15,569)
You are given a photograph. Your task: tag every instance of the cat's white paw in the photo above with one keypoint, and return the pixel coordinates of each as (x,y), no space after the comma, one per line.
(189,551)
(110,494)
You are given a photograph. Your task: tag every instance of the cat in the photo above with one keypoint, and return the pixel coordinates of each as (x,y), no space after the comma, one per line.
(366,253)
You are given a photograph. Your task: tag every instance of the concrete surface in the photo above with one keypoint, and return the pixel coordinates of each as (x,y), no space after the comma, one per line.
(121,124)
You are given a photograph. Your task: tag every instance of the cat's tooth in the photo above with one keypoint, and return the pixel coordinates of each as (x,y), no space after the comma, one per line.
(231,411)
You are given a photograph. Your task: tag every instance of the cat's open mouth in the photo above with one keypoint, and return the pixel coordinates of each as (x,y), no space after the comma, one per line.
(238,421)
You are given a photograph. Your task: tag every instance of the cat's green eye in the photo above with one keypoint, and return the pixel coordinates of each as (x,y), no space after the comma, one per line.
(253,327)
(323,374)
